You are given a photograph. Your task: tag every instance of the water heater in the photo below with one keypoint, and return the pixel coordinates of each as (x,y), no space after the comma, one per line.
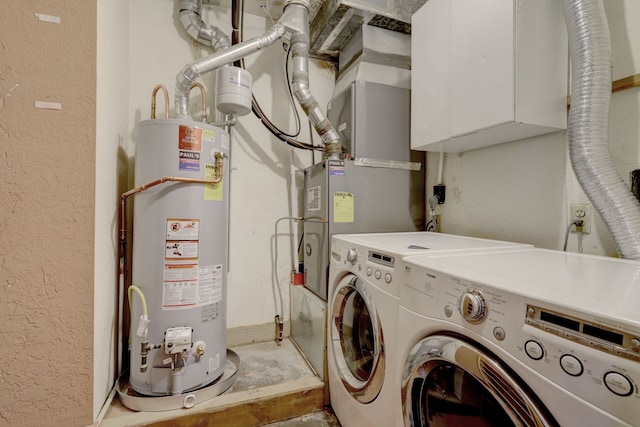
(178,309)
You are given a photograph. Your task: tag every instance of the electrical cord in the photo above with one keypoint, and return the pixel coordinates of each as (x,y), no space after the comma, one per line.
(577,223)
(293,104)
(431,227)
(433,224)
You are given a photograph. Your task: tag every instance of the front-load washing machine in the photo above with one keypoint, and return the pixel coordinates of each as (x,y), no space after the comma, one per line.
(364,283)
(521,338)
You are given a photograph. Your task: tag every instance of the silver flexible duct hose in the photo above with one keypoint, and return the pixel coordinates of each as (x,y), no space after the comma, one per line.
(190,11)
(590,50)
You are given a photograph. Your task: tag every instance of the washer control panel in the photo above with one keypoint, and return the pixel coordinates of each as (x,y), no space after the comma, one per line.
(377,267)
(380,267)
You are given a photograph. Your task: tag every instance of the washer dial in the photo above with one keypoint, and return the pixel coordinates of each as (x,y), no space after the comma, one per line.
(473,306)
(352,256)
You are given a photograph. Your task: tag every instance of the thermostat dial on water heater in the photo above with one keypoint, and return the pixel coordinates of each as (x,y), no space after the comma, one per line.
(473,306)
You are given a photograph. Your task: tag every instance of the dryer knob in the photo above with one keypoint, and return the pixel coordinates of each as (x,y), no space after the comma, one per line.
(352,256)
(473,307)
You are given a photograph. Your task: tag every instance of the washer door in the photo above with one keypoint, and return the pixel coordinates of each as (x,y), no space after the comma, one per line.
(447,382)
(356,335)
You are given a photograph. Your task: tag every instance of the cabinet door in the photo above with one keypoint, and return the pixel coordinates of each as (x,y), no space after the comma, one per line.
(430,73)
(482,64)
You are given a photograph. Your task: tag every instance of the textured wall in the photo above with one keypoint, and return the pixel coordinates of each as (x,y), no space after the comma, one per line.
(47,161)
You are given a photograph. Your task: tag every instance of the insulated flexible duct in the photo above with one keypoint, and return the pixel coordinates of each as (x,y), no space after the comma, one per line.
(590,49)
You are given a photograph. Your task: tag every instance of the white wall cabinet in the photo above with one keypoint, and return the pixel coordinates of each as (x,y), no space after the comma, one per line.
(486,72)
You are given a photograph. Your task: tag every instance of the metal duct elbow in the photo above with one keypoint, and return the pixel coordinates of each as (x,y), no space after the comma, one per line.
(192,71)
(590,49)
(190,16)
(300,80)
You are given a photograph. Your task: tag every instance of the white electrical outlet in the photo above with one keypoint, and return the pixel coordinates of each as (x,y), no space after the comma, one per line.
(581,212)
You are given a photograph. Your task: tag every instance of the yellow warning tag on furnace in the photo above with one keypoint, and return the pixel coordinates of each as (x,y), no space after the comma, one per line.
(343,207)
(212,191)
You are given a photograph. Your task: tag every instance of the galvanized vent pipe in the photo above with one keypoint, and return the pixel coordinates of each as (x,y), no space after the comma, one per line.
(295,21)
(190,16)
(590,49)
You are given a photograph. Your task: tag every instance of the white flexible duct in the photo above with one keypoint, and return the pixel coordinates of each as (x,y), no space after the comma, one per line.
(190,11)
(590,50)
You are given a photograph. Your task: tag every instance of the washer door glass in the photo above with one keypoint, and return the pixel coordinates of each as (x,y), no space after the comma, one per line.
(448,382)
(357,340)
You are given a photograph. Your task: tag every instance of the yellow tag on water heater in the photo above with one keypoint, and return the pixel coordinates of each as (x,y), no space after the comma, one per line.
(212,191)
(343,207)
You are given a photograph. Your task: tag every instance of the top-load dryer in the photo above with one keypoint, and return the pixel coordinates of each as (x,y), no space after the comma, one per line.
(364,282)
(520,338)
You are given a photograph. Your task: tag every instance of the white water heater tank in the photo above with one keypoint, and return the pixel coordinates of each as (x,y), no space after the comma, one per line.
(179,257)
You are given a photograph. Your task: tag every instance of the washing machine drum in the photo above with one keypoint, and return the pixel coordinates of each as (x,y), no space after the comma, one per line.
(356,335)
(448,382)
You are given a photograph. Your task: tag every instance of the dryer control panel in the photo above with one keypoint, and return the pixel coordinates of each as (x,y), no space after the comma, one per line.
(601,337)
(593,357)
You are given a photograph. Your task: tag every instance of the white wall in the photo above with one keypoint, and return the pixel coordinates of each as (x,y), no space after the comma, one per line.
(522,190)
(112,128)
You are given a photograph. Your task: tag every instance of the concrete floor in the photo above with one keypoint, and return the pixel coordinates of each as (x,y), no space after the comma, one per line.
(267,363)
(265,368)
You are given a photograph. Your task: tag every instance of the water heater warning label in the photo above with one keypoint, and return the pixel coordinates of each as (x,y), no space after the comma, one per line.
(210,289)
(181,250)
(183,229)
(182,277)
(190,138)
(180,287)
(190,285)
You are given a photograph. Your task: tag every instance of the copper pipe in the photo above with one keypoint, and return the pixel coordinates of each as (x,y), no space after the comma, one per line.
(204,99)
(166,101)
(219,164)
(123,199)
(166,179)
